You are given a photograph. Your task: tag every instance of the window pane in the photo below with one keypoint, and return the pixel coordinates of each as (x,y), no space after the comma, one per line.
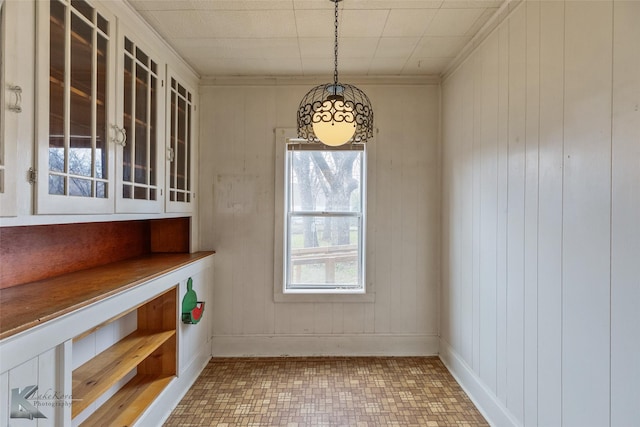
(325,250)
(101,190)
(187,150)
(173,139)
(56,95)
(82,7)
(128,45)
(128,120)
(153,135)
(325,180)
(80,158)
(181,151)
(140,193)
(56,184)
(141,159)
(103,24)
(80,187)
(102,150)
(78,146)
(142,57)
(80,140)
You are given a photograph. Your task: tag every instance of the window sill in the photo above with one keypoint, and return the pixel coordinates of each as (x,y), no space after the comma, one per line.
(308,297)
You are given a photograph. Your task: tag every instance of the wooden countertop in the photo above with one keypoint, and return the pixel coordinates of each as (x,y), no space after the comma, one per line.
(25,306)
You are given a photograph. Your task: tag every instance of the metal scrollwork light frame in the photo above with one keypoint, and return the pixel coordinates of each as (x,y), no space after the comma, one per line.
(336,102)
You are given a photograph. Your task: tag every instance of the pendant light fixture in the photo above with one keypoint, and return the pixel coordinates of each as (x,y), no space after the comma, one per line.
(335,113)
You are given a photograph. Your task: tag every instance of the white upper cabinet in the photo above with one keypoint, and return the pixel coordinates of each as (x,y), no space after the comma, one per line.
(10,98)
(76,108)
(114,132)
(140,145)
(16,101)
(181,145)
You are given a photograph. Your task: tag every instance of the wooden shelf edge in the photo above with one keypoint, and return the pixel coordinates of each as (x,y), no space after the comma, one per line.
(126,406)
(99,374)
(116,317)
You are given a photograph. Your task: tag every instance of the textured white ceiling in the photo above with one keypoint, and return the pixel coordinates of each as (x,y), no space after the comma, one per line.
(295,37)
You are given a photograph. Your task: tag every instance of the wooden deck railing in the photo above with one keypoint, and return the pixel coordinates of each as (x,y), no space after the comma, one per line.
(327,255)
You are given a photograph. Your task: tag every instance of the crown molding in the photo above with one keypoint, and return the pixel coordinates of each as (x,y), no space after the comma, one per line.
(503,12)
(316,80)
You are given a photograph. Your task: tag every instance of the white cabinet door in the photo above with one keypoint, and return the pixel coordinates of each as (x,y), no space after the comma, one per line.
(76,86)
(140,113)
(11,102)
(181,145)
(35,392)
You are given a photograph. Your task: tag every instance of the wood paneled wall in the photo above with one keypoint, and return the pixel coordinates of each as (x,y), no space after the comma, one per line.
(31,253)
(39,252)
(541,209)
(237,219)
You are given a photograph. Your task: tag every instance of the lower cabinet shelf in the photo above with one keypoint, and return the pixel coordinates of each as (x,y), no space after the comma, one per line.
(124,407)
(103,371)
(149,351)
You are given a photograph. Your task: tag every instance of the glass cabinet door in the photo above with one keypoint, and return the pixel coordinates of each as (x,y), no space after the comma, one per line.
(180,185)
(78,158)
(138,160)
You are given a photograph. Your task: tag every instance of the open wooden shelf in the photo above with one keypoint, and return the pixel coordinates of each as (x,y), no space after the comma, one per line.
(150,352)
(124,407)
(103,371)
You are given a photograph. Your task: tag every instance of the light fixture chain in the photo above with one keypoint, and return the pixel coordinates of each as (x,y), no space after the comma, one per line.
(334,113)
(335,51)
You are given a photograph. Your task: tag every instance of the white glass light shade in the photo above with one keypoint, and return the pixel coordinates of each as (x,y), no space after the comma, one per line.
(341,110)
(334,122)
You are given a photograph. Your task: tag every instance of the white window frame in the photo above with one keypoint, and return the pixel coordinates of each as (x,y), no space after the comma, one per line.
(281,294)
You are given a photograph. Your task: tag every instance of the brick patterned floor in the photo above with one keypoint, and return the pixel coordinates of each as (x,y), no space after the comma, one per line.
(332,391)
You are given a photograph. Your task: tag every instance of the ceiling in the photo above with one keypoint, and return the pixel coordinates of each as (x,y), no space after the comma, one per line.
(295,37)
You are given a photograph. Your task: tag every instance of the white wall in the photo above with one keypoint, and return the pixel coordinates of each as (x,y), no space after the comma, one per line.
(237,158)
(541,209)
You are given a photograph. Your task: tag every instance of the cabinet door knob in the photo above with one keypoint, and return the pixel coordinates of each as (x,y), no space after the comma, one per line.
(120,136)
(16,107)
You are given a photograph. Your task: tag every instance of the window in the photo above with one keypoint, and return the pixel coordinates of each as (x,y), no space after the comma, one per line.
(324,219)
